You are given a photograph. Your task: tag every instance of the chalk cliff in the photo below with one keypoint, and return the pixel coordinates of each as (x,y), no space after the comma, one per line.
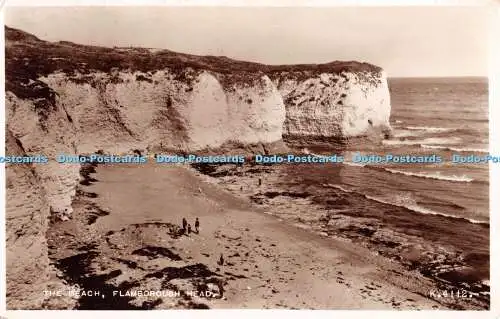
(26,221)
(336,107)
(63,97)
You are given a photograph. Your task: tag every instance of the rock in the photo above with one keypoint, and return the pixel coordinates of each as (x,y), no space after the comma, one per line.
(353,104)
(27,212)
(214,289)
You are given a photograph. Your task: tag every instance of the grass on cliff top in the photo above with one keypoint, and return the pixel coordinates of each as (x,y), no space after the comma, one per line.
(28,57)
(45,57)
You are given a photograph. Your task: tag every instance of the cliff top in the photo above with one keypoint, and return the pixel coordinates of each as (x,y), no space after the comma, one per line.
(28,57)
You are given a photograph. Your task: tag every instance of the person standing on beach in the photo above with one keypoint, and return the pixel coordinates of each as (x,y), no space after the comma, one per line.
(221,260)
(189,228)
(184,224)
(220,285)
(197,225)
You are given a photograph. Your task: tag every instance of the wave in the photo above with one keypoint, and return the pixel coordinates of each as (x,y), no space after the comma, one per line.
(427,175)
(432,140)
(430,129)
(422,210)
(455,149)
(412,131)
(407,134)
(339,187)
(436,175)
(354,164)
(404,202)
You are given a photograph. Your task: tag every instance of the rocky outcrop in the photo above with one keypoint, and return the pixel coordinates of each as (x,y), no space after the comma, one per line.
(63,97)
(336,107)
(55,136)
(26,219)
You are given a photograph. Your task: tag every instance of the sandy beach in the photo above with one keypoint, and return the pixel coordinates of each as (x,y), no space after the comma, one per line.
(125,235)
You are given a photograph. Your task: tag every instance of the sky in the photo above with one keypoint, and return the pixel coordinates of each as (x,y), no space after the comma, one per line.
(405,41)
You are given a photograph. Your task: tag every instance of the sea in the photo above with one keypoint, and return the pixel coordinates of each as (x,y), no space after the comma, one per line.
(434,206)
(432,116)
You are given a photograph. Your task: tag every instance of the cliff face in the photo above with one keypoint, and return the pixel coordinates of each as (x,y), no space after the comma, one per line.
(27,211)
(127,110)
(67,98)
(336,107)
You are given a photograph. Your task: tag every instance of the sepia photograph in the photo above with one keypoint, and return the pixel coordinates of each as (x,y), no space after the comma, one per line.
(217,157)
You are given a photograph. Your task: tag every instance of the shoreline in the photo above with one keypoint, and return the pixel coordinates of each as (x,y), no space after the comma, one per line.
(109,245)
(338,215)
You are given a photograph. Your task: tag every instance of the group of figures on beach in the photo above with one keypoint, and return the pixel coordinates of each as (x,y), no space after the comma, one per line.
(187,229)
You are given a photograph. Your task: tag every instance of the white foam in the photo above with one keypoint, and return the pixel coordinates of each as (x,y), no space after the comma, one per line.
(432,140)
(354,164)
(455,149)
(422,210)
(430,129)
(406,134)
(338,187)
(435,175)
(405,202)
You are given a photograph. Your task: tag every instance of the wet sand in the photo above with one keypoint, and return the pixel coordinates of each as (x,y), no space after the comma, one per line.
(125,235)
